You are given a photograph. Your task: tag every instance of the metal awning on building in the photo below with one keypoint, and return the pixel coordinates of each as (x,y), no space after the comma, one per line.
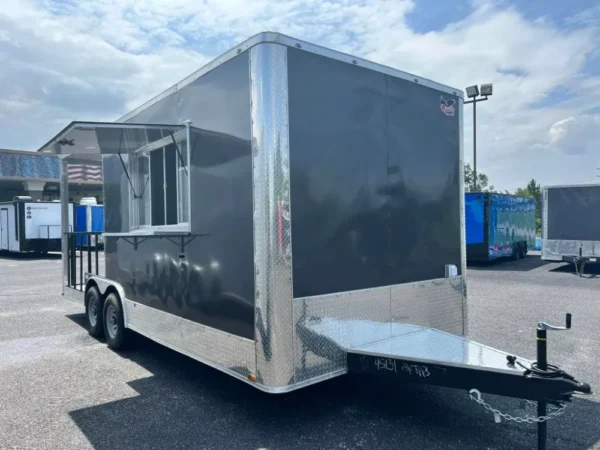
(91,139)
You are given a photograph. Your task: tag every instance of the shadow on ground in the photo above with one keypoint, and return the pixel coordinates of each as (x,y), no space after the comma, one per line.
(186,404)
(28,256)
(591,270)
(530,262)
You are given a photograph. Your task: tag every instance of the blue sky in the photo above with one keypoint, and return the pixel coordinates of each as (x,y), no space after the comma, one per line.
(66,60)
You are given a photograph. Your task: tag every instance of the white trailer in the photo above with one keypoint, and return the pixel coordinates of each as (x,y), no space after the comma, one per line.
(29,226)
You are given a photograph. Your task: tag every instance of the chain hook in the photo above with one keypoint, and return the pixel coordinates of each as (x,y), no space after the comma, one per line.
(475,395)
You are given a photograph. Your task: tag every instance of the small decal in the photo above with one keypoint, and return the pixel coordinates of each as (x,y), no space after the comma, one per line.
(447,106)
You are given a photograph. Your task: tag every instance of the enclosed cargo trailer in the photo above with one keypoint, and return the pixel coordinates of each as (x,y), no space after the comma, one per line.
(570,224)
(277,215)
(499,225)
(30,226)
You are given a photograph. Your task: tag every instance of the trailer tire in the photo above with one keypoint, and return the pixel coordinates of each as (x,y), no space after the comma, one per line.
(93,312)
(114,327)
(519,254)
(525,249)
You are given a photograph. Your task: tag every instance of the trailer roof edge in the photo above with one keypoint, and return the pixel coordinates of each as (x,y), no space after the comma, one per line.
(571,185)
(278,38)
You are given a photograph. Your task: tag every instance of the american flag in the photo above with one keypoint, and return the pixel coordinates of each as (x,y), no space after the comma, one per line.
(85,172)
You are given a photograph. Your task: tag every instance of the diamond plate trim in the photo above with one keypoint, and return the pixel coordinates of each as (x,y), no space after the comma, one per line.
(272,220)
(227,352)
(436,304)
(334,316)
(463,232)
(554,249)
(326,326)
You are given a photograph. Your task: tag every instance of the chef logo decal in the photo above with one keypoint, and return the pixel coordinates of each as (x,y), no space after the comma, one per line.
(447,106)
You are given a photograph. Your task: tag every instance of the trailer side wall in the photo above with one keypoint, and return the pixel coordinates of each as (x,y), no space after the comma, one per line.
(374,164)
(511,219)
(213,284)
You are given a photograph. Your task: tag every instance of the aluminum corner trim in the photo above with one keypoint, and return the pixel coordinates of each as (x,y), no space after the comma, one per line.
(544,214)
(64,218)
(272,237)
(463,232)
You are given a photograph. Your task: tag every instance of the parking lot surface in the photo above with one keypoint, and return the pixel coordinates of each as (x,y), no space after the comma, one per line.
(62,389)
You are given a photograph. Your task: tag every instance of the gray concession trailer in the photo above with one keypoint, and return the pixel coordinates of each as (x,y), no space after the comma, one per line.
(571,224)
(288,214)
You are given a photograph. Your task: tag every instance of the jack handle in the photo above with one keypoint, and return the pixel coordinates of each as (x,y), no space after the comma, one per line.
(547,326)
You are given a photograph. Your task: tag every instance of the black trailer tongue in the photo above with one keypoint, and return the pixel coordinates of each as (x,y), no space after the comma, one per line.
(428,356)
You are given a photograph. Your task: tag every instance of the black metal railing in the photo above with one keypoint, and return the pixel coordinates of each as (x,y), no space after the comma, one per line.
(88,255)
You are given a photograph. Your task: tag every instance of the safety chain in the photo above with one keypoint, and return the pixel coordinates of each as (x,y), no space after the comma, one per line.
(475,395)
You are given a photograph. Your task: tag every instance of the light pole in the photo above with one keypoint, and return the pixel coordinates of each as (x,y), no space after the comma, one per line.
(473,93)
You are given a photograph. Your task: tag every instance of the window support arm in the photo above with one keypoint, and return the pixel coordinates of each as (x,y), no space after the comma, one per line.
(128,177)
(125,168)
(179,153)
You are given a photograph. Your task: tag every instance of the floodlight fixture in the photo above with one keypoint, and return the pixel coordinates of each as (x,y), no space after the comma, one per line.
(472,91)
(486,89)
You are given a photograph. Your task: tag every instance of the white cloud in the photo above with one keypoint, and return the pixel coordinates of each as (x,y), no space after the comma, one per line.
(577,135)
(96,60)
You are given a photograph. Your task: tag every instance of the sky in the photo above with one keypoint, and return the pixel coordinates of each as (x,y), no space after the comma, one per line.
(64,60)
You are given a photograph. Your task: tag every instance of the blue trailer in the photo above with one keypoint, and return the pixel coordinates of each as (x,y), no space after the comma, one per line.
(89,218)
(498,225)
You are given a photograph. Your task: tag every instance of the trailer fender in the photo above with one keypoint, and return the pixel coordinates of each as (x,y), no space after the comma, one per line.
(103,285)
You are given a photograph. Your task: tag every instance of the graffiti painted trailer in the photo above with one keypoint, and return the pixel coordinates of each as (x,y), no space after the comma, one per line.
(30,226)
(498,226)
(570,224)
(277,215)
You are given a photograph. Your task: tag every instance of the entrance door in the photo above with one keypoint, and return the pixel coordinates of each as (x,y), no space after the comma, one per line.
(4,229)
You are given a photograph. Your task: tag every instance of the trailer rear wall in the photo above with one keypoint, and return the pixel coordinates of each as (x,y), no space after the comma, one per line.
(571,222)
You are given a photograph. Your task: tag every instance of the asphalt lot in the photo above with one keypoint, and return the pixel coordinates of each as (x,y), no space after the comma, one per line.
(61,389)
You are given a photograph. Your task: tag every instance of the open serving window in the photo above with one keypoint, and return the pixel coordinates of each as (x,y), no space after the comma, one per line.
(155,161)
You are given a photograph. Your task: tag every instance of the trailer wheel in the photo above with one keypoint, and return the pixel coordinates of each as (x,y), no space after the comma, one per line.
(520,254)
(515,251)
(525,249)
(93,312)
(114,327)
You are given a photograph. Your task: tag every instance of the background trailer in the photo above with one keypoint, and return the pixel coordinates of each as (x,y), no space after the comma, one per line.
(571,223)
(289,213)
(499,225)
(28,226)
(90,218)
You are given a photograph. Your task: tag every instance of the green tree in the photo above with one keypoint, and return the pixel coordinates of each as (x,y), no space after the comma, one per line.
(533,190)
(482,181)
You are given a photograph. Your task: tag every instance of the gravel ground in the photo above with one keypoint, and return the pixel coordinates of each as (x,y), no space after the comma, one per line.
(61,389)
